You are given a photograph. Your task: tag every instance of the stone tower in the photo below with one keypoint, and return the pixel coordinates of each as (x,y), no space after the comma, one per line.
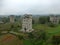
(54,19)
(27,23)
(11,18)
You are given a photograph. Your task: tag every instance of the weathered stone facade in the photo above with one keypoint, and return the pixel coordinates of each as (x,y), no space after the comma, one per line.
(27,23)
(11,18)
(54,19)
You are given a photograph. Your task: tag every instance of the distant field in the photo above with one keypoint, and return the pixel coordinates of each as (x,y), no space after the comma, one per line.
(52,30)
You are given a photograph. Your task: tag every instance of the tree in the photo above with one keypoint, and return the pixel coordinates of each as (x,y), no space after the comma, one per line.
(5,19)
(33,21)
(43,19)
(20,37)
(30,35)
(56,40)
(52,25)
(17,18)
(38,37)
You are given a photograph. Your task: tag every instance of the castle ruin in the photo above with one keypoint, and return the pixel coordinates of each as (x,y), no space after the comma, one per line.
(11,18)
(54,19)
(27,23)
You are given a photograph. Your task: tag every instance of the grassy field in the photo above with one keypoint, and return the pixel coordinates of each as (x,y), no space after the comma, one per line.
(52,30)
(16,41)
(27,42)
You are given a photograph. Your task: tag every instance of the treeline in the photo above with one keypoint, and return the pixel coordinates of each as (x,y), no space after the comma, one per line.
(41,20)
(44,20)
(7,19)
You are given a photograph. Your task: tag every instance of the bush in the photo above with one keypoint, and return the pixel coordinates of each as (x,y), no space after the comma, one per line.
(56,40)
(20,37)
(43,19)
(30,35)
(52,25)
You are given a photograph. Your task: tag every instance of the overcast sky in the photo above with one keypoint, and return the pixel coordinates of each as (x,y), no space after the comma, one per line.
(8,7)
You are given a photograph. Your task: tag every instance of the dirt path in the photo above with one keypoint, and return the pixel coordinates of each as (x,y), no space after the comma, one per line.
(7,37)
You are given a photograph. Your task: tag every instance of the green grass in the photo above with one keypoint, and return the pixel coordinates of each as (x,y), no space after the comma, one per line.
(52,30)
(27,42)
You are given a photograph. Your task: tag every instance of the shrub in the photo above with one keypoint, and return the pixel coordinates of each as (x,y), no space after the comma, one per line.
(20,37)
(56,40)
(43,19)
(52,25)
(30,35)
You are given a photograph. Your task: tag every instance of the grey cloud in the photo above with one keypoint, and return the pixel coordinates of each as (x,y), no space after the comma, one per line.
(8,7)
